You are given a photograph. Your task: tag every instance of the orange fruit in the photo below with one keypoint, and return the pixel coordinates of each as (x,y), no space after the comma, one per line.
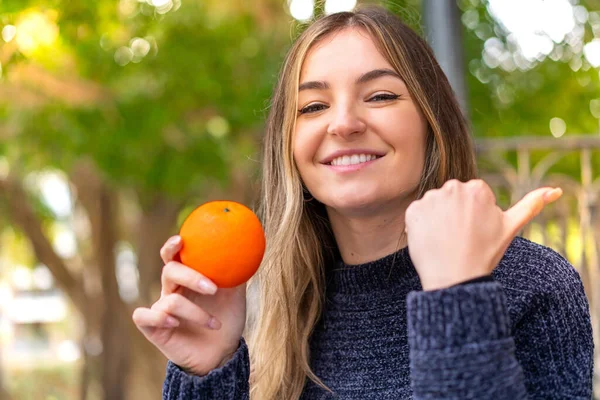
(224,241)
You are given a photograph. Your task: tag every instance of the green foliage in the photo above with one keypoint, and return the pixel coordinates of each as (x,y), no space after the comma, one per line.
(512,100)
(160,102)
(517,101)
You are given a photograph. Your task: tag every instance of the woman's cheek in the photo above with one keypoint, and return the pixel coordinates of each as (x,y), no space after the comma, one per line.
(306,144)
(303,153)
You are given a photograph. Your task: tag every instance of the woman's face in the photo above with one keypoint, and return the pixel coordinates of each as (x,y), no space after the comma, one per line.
(359,139)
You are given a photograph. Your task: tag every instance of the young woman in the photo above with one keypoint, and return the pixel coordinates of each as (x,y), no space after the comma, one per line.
(390,272)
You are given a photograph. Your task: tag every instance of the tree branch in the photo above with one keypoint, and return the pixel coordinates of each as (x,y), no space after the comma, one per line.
(24,217)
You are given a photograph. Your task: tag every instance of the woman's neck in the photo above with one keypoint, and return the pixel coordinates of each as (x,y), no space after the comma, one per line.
(361,239)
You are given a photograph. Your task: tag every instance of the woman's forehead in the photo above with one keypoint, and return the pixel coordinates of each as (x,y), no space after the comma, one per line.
(351,51)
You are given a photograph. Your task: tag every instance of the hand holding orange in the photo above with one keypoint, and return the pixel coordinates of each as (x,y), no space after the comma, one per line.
(224,241)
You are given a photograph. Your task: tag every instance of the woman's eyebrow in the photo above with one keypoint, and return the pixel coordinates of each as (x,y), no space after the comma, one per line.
(318,85)
(367,76)
(377,73)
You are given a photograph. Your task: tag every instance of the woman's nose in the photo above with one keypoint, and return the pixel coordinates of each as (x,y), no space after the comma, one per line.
(346,123)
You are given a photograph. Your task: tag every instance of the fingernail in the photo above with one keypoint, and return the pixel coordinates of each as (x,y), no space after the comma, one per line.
(174,241)
(552,195)
(207,287)
(214,323)
(172,322)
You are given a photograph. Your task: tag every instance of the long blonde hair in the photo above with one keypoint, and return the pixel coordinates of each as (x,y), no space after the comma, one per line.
(290,281)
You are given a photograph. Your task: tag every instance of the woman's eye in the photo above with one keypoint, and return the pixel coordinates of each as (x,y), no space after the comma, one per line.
(384,97)
(311,108)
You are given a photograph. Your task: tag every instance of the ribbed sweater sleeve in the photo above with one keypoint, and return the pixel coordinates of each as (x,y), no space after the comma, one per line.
(229,382)
(462,345)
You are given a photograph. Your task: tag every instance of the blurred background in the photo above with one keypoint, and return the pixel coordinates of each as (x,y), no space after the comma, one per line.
(117,117)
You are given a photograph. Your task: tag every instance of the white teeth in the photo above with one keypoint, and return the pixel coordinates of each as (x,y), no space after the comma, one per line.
(354,159)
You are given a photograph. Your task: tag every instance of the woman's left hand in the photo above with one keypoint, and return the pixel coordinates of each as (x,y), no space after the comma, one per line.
(457,232)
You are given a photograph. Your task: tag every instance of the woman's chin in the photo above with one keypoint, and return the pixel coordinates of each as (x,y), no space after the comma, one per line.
(352,205)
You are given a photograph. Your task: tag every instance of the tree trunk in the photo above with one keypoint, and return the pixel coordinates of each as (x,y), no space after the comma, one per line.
(23,217)
(156,223)
(101,204)
(101,311)
(115,341)
(118,359)
(125,348)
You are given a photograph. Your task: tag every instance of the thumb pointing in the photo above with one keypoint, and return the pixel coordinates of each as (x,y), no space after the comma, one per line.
(528,207)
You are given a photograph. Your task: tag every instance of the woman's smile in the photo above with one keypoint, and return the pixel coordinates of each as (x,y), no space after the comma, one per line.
(351,163)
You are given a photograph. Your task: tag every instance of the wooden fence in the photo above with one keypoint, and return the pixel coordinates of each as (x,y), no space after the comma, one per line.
(513,166)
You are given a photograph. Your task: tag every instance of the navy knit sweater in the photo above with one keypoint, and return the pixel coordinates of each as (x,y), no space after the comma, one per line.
(523,334)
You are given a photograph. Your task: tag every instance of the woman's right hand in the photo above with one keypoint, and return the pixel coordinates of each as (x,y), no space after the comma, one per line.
(194,324)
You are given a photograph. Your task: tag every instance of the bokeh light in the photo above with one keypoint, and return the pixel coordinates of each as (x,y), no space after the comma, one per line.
(123,56)
(42,278)
(161,6)
(140,47)
(127,273)
(302,10)
(35,30)
(159,3)
(55,192)
(64,243)
(9,32)
(591,51)
(558,127)
(21,278)
(217,126)
(595,108)
(537,23)
(333,6)
(68,351)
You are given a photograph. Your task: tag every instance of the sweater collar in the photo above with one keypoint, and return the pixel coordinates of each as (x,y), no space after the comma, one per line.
(388,272)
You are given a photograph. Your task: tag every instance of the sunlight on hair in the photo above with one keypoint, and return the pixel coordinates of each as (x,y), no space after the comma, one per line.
(558,127)
(302,10)
(333,6)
